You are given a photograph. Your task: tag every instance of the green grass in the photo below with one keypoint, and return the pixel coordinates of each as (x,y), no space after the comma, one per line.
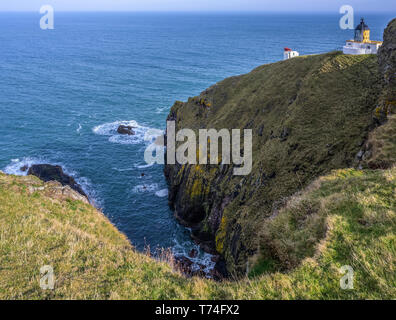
(345,218)
(382,145)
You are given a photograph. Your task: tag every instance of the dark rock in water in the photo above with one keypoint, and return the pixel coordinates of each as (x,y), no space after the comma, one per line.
(47,172)
(24,168)
(122,129)
(215,258)
(193,253)
(202,267)
(184,265)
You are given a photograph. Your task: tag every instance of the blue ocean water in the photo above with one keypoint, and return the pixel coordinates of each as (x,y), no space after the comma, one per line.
(64,91)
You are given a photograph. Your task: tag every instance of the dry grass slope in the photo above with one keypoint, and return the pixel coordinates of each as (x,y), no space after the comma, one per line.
(92,260)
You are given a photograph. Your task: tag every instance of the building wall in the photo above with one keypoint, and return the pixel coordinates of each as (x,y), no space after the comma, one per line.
(360,48)
(290,54)
(366,36)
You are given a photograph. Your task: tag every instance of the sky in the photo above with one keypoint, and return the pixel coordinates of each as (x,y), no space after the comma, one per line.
(200,5)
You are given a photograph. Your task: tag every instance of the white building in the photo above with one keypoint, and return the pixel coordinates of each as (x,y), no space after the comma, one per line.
(289,53)
(362,43)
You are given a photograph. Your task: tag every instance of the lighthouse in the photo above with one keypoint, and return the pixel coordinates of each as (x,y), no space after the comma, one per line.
(361,44)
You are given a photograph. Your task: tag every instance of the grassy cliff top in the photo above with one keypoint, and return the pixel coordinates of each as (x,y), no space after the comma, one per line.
(43,224)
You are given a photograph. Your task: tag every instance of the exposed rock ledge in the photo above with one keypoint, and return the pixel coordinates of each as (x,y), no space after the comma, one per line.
(55,190)
(47,172)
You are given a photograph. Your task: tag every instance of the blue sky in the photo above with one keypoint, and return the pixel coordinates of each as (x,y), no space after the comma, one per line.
(199,5)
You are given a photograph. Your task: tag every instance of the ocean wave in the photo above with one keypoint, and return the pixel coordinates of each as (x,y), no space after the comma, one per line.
(162,193)
(16,165)
(145,188)
(203,258)
(150,188)
(144,166)
(142,134)
(122,170)
(161,110)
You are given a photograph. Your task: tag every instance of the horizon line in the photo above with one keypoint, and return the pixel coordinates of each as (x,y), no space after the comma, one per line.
(200,11)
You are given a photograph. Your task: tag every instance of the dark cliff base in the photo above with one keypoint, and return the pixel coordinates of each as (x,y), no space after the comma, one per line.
(309,115)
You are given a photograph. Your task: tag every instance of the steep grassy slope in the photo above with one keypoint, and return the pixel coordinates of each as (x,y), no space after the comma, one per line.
(91,259)
(309,115)
(379,151)
(41,225)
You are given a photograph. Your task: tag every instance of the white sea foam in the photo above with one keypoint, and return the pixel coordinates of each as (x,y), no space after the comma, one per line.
(145,188)
(122,170)
(162,193)
(142,133)
(16,165)
(144,166)
(161,110)
(203,258)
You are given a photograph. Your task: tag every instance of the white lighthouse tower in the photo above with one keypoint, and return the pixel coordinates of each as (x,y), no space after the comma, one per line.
(362,44)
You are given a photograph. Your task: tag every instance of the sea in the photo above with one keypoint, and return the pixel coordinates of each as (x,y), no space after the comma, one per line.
(63,93)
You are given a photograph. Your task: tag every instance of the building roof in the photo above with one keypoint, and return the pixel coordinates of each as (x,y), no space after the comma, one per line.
(371,41)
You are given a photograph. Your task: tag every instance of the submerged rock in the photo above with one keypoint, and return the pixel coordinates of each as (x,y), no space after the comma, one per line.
(122,129)
(184,265)
(193,253)
(48,172)
(187,267)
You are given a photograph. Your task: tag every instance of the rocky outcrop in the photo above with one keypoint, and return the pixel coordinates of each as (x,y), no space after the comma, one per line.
(378,151)
(387,68)
(56,190)
(47,172)
(308,115)
(187,267)
(387,57)
(127,130)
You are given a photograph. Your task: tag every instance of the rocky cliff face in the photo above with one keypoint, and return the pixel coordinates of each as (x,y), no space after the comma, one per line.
(309,115)
(387,65)
(379,151)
